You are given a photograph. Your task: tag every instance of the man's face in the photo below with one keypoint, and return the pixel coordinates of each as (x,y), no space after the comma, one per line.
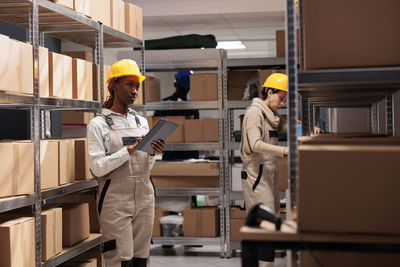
(126,89)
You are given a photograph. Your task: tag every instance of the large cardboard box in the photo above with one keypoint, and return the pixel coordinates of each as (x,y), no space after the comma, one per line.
(237,83)
(23,168)
(88,198)
(201,130)
(348,259)
(66,161)
(6,69)
(201,222)
(342,190)
(7,163)
(347,140)
(100,11)
(371,38)
(283,174)
(60,75)
(81,263)
(238,219)
(84,55)
(280,36)
(83,6)
(178,136)
(51,233)
(157,225)
(82,168)
(117,8)
(48,163)
(75,223)
(203,87)
(17,242)
(23,58)
(185,175)
(82,80)
(133,21)
(44,72)
(153,90)
(76,117)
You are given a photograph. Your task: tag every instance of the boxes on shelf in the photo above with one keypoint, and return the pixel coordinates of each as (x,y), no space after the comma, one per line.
(283,174)
(280,36)
(82,169)
(5,61)
(49,163)
(76,117)
(201,222)
(351,139)
(134,21)
(348,259)
(237,83)
(350,172)
(100,11)
(238,219)
(51,233)
(23,57)
(371,39)
(203,87)
(117,12)
(201,130)
(7,162)
(17,242)
(157,224)
(60,75)
(178,136)
(153,90)
(185,175)
(80,263)
(84,55)
(44,72)
(75,223)
(82,83)
(66,161)
(93,253)
(90,199)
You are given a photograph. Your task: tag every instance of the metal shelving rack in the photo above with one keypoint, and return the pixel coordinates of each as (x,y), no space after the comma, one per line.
(45,17)
(229,107)
(200,60)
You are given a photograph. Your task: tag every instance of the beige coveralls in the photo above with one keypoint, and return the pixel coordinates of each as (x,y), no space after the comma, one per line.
(125,202)
(259,152)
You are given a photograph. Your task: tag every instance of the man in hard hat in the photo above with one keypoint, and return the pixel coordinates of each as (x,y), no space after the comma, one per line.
(125,199)
(259,150)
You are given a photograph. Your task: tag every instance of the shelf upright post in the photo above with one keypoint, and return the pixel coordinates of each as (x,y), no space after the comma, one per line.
(305,122)
(99,59)
(291,66)
(374,119)
(389,114)
(35,124)
(311,121)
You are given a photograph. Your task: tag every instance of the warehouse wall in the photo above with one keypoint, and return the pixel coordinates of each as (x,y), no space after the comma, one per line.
(352,119)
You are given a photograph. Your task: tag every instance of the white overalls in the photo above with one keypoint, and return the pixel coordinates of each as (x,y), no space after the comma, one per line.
(125,202)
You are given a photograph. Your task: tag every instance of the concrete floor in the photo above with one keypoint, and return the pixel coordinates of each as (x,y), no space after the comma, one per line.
(207,256)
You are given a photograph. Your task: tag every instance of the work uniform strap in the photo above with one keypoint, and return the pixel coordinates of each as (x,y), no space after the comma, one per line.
(136,118)
(108,120)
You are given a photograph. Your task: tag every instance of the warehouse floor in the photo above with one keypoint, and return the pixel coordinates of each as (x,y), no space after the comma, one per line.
(181,256)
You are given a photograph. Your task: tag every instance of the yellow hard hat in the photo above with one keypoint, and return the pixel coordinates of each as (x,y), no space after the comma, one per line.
(125,67)
(277,81)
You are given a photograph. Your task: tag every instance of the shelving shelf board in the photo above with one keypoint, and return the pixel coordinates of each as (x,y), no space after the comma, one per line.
(236,195)
(187,191)
(238,104)
(173,105)
(69,253)
(52,103)
(256,63)
(15,100)
(113,39)
(68,189)
(186,240)
(234,146)
(191,146)
(16,202)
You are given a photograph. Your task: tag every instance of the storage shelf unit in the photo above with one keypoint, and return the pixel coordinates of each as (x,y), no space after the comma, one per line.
(45,17)
(186,240)
(197,60)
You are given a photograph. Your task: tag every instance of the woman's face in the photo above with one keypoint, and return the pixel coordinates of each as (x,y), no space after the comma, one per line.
(126,89)
(277,100)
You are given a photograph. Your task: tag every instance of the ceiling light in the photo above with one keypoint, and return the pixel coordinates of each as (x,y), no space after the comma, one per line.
(231,45)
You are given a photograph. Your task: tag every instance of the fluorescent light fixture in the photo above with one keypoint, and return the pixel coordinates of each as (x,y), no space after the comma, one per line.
(231,45)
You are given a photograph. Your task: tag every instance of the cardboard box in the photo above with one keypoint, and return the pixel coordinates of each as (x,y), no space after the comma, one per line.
(51,233)
(203,87)
(82,168)
(349,259)
(93,253)
(66,3)
(178,136)
(83,6)
(5,61)
(236,224)
(344,179)
(44,71)
(157,225)
(88,198)
(201,222)
(100,11)
(82,80)
(60,75)
(185,181)
(280,36)
(237,82)
(76,117)
(83,263)
(165,168)
(237,213)
(7,163)
(48,163)
(369,39)
(75,223)
(66,161)
(348,140)
(117,8)
(153,90)
(201,130)
(283,174)
(133,21)
(17,242)
(84,55)
(24,62)
(95,79)
(23,170)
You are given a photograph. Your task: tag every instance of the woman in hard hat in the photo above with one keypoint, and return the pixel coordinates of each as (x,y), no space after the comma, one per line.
(259,150)
(125,199)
